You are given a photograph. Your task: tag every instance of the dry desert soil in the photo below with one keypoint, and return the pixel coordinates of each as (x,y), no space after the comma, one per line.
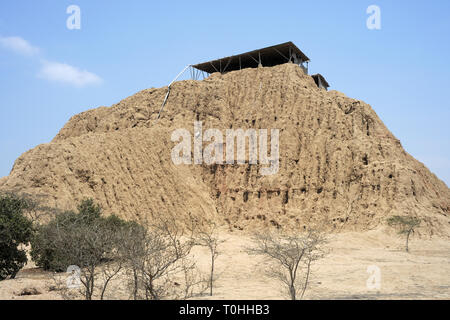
(341,274)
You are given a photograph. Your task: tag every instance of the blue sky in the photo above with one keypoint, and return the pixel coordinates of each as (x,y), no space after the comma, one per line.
(49,73)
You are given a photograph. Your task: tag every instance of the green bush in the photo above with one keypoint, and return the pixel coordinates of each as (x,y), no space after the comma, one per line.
(15,230)
(84,239)
(89,211)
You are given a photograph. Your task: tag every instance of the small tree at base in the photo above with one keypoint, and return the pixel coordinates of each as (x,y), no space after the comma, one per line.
(208,237)
(292,256)
(155,255)
(406,225)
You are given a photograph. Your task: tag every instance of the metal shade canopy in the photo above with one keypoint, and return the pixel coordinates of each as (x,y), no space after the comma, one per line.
(267,57)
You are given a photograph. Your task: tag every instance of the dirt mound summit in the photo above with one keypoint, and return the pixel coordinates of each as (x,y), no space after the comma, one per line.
(339,165)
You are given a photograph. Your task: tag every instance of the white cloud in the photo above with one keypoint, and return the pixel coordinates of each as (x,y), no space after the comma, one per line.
(19,45)
(61,72)
(50,70)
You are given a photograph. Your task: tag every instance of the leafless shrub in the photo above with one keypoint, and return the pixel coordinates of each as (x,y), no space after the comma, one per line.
(193,282)
(156,257)
(59,285)
(133,252)
(207,237)
(108,272)
(290,258)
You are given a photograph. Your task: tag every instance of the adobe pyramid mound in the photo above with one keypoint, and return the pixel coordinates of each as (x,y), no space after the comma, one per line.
(339,165)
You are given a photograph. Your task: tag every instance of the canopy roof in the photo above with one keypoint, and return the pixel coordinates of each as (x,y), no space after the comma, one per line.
(269,57)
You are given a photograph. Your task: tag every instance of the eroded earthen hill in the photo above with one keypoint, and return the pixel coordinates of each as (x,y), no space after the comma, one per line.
(339,165)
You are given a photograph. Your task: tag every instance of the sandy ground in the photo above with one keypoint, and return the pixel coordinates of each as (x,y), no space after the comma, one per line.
(424,273)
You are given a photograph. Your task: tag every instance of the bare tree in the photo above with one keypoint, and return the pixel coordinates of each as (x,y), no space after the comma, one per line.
(291,257)
(406,225)
(194,283)
(159,254)
(208,237)
(132,251)
(157,261)
(108,272)
(93,251)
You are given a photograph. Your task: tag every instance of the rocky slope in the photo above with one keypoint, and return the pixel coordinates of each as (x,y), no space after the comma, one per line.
(339,165)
